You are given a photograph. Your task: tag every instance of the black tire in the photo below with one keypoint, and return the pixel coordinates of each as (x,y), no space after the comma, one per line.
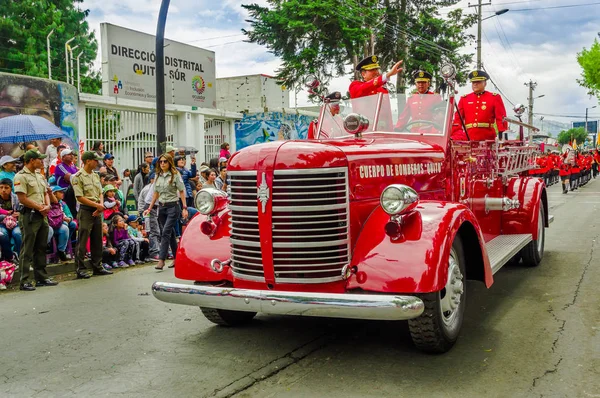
(436,330)
(227,317)
(533,253)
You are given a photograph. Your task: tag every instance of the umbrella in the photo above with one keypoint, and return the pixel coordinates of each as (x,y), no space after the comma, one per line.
(25,128)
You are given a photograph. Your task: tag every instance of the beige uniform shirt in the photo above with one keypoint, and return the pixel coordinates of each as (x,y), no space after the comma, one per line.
(168,192)
(87,185)
(33,185)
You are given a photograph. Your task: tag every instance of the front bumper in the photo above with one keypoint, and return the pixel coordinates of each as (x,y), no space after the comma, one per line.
(386,307)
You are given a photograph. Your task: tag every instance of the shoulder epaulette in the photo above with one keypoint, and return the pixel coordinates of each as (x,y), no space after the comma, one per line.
(494,93)
(464,95)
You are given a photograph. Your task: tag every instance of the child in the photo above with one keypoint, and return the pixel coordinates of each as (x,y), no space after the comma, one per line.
(142,243)
(121,240)
(68,220)
(111,204)
(60,222)
(9,230)
(109,253)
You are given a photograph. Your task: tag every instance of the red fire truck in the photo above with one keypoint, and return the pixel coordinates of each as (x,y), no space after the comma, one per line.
(363,222)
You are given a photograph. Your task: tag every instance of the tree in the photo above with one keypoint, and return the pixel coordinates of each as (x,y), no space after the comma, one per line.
(589,60)
(23,29)
(577,134)
(324,37)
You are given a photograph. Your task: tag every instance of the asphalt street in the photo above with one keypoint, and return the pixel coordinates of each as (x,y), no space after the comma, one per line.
(534,333)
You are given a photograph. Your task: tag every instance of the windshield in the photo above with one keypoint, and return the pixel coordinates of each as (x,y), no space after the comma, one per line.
(422,114)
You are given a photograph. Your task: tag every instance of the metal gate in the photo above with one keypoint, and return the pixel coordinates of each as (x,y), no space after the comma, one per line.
(216,133)
(127,135)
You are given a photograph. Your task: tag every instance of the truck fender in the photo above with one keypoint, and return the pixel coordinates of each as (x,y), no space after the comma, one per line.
(531,194)
(196,250)
(417,261)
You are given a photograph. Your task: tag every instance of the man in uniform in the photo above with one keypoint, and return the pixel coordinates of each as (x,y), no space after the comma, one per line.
(373,81)
(32,190)
(88,191)
(332,110)
(420,105)
(480,110)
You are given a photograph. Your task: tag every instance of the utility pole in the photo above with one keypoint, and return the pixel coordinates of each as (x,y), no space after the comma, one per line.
(532,85)
(479,5)
(161,134)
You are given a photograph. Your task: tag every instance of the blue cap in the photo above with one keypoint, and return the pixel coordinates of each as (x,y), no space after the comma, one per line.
(56,188)
(108,156)
(151,176)
(132,218)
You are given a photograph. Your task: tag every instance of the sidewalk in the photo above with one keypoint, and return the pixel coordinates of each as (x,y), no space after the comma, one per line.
(66,271)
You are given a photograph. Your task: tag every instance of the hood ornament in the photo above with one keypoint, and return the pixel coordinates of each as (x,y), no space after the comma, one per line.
(263,193)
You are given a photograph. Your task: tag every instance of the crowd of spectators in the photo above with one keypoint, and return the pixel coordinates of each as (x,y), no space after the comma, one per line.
(139,223)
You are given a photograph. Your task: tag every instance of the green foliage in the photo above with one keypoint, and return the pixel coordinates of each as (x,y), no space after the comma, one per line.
(578,134)
(324,37)
(589,60)
(23,29)
(312,37)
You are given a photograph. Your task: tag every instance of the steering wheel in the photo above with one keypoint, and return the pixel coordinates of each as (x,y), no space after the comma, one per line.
(427,122)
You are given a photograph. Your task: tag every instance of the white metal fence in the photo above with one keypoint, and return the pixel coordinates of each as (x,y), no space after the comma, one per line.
(216,133)
(128,135)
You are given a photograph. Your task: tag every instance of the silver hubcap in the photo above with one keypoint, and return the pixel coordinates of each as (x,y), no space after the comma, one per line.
(454,290)
(540,239)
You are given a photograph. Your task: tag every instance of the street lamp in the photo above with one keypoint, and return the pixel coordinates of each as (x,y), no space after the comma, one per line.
(503,11)
(479,19)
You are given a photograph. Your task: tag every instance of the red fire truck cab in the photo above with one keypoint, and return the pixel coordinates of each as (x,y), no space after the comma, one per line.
(363,222)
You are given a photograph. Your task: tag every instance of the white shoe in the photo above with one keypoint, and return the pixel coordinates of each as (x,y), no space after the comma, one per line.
(2,286)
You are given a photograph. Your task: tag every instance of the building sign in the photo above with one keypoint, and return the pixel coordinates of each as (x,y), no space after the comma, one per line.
(592,126)
(129,67)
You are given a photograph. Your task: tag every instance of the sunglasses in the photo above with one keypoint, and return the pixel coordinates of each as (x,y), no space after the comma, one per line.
(163,161)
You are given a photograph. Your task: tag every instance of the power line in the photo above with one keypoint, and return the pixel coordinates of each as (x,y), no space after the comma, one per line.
(553,7)
(216,37)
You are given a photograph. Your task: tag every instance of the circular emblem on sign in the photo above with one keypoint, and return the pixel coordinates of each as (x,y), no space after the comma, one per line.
(483,108)
(374,58)
(475,74)
(198,84)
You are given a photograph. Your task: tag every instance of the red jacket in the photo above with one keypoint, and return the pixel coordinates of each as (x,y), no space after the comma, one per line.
(363,89)
(418,107)
(480,112)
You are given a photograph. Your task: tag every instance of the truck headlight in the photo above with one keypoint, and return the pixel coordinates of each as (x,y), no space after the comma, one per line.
(398,199)
(210,201)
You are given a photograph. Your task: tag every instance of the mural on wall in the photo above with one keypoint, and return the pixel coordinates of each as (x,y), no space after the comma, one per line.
(50,99)
(270,126)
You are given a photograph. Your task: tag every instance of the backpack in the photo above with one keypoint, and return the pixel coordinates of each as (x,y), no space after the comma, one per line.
(55,215)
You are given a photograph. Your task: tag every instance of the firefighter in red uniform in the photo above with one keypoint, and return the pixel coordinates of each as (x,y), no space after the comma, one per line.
(332,104)
(420,105)
(565,172)
(373,81)
(480,110)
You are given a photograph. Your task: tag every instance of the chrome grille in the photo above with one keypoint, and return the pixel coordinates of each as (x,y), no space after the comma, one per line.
(245,240)
(310,225)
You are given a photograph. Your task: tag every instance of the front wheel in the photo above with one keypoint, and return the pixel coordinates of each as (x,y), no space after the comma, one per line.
(437,329)
(534,251)
(227,317)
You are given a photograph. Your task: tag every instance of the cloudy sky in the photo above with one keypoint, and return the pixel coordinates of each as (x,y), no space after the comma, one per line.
(536,39)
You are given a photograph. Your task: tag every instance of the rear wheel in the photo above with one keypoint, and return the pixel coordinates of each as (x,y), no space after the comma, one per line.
(534,251)
(227,317)
(437,329)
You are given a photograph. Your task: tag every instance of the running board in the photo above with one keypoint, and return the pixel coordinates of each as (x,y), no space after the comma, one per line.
(502,248)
